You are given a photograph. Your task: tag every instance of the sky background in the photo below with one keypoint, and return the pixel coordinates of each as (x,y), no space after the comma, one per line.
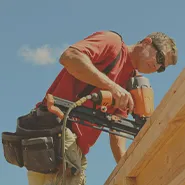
(33,34)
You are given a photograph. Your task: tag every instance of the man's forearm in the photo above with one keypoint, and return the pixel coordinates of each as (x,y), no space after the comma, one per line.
(80,66)
(118,146)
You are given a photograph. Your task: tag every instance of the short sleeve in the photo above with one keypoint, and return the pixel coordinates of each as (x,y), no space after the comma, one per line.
(100,45)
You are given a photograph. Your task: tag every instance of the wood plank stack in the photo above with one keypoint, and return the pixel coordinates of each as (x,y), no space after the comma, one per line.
(157,154)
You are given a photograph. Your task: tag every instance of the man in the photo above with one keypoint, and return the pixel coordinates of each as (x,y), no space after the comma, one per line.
(83,64)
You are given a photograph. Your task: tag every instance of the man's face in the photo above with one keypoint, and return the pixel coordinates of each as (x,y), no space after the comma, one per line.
(150,59)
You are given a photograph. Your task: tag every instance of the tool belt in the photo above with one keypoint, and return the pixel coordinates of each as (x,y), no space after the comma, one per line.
(36,144)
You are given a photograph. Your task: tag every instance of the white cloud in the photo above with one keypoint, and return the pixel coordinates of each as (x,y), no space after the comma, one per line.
(42,55)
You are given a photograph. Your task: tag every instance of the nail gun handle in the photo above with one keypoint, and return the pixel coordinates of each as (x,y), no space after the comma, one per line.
(52,108)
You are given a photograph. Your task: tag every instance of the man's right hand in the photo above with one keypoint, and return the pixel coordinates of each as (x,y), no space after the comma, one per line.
(123,98)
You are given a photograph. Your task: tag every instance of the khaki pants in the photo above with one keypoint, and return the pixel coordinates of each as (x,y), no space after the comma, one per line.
(74,155)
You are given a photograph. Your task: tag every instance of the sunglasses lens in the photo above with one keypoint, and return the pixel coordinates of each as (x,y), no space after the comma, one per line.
(161,69)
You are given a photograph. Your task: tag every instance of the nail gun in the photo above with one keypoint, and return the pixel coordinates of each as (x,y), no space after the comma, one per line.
(143,97)
(142,94)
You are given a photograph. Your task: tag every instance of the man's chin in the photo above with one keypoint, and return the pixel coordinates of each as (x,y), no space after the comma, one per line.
(142,71)
(146,72)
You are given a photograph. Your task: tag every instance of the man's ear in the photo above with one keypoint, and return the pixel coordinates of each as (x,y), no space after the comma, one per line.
(147,40)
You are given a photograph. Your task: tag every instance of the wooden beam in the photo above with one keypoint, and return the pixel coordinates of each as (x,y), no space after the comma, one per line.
(167,164)
(151,158)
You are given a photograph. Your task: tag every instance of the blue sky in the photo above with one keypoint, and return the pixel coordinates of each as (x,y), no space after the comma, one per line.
(34,33)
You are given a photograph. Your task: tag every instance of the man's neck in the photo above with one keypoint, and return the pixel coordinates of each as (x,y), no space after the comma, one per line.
(132,55)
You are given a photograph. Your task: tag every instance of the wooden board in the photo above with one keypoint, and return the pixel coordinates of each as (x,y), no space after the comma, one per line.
(157,154)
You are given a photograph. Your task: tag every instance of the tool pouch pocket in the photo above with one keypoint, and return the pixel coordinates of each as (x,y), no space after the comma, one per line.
(39,154)
(12,148)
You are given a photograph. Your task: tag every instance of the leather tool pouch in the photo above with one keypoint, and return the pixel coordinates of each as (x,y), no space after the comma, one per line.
(39,154)
(12,148)
(35,145)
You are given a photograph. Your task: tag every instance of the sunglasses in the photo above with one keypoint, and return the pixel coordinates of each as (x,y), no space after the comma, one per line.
(160,58)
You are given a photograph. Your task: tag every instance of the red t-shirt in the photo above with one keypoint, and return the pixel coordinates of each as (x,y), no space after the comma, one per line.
(102,48)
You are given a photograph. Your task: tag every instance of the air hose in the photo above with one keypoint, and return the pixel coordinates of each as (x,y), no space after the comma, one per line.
(52,108)
(72,106)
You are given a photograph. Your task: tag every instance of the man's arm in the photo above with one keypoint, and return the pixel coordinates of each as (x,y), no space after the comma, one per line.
(79,65)
(118,143)
(80,58)
(118,146)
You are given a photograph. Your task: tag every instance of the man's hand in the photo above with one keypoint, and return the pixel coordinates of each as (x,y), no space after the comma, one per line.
(123,98)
